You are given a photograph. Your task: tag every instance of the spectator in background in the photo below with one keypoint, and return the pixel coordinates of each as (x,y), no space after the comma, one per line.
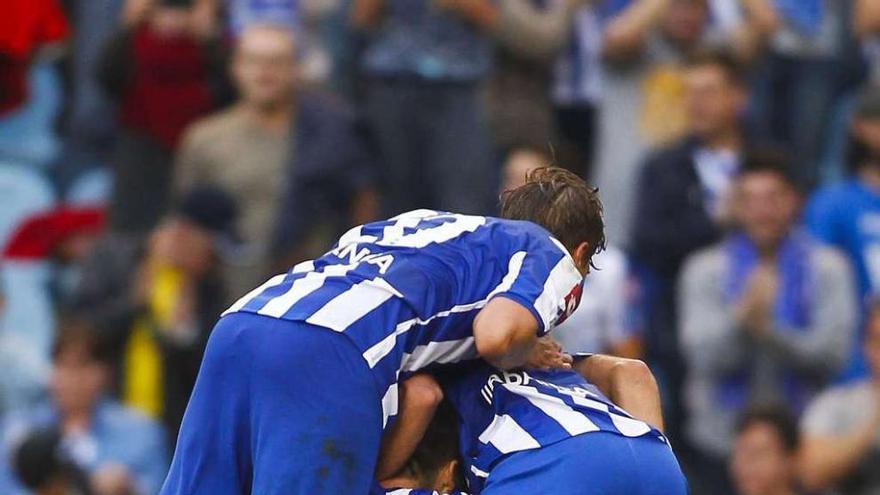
(645,93)
(796,82)
(162,69)
(529,35)
(307,18)
(245,13)
(641,47)
(847,215)
(122,452)
(424,64)
(292,159)
(89,118)
(841,429)
(41,465)
(576,90)
(765,453)
(63,236)
(39,267)
(866,26)
(26,28)
(602,322)
(156,303)
(768,315)
(681,205)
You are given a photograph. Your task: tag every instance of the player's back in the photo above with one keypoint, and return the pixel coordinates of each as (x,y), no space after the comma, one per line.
(406,290)
(502,412)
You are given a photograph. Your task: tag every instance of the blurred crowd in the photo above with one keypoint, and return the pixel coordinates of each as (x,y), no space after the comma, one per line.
(160,158)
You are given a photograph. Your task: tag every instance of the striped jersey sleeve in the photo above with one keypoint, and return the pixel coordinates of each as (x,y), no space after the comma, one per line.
(546,282)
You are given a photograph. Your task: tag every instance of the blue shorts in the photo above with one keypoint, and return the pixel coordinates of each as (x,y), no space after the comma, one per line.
(597,463)
(279,407)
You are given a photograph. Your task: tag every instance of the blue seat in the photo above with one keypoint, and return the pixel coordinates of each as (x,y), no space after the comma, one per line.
(28,135)
(23,192)
(28,318)
(91,188)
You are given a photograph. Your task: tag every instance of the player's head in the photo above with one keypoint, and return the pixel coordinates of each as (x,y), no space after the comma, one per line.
(565,205)
(765,451)
(434,464)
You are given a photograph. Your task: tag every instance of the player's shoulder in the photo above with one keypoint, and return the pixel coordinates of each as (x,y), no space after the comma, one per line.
(522,232)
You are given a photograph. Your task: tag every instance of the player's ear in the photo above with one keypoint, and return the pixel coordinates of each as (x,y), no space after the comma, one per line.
(445,481)
(581,255)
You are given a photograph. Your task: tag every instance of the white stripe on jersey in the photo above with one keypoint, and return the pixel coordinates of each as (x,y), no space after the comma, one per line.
(420,213)
(299,289)
(353,304)
(442,233)
(562,279)
(574,422)
(507,436)
(382,348)
(448,351)
(478,472)
(626,426)
(305,266)
(389,404)
(272,282)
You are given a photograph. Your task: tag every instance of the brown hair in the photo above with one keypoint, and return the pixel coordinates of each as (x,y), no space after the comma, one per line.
(76,334)
(438,447)
(562,203)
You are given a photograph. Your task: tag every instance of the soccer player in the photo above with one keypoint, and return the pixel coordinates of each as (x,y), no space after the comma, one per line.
(550,431)
(433,468)
(300,375)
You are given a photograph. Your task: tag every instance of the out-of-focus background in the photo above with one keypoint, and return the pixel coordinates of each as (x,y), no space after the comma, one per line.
(159,158)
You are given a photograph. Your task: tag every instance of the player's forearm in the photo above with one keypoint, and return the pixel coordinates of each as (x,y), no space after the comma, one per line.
(629,383)
(419,398)
(507,353)
(505,333)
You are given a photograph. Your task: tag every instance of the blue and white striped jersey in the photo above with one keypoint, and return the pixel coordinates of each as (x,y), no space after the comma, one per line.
(501,412)
(406,290)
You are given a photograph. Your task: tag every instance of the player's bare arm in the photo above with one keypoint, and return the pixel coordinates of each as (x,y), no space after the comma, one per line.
(419,397)
(629,383)
(505,333)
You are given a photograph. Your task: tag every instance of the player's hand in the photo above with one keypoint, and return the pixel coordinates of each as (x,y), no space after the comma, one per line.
(547,354)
